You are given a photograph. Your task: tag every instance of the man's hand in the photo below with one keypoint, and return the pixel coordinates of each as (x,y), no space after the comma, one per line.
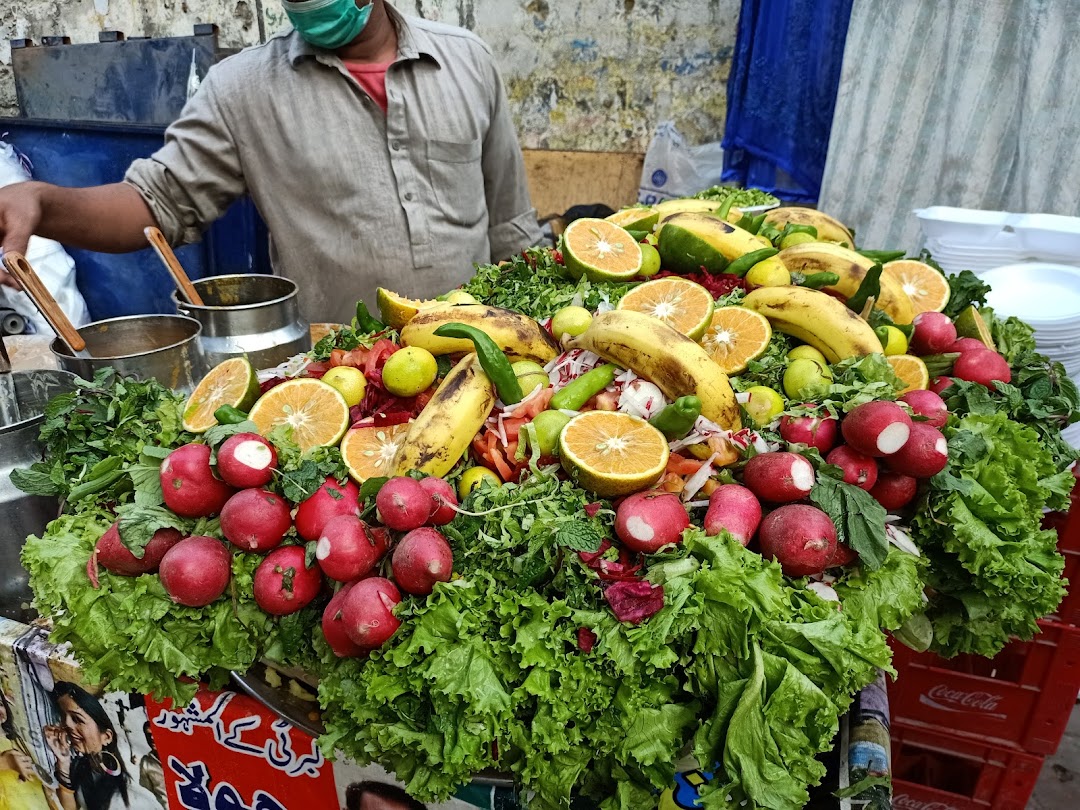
(20,216)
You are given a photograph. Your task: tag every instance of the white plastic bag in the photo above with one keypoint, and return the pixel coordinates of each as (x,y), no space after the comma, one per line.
(53,264)
(673,169)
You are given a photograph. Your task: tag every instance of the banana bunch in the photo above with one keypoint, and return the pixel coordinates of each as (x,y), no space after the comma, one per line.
(815,318)
(828,229)
(667,358)
(441,434)
(514,333)
(851,267)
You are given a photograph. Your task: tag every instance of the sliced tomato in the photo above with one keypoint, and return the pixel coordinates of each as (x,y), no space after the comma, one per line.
(530,409)
(681,465)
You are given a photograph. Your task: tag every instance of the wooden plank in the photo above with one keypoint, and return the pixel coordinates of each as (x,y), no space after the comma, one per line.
(561,179)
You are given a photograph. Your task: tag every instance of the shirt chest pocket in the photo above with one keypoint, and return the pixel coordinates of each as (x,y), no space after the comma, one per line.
(457,178)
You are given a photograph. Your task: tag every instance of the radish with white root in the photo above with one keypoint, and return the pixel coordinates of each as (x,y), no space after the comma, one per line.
(255,520)
(283,582)
(349,548)
(801,538)
(779,477)
(116,558)
(894,490)
(928,405)
(402,504)
(813,431)
(196,571)
(422,558)
(188,483)
(734,509)
(877,428)
(368,612)
(333,627)
(329,501)
(924,455)
(648,521)
(246,461)
(859,468)
(443,500)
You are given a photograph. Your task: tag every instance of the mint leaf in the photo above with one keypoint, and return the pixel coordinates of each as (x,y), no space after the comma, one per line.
(579,537)
(138,524)
(859,519)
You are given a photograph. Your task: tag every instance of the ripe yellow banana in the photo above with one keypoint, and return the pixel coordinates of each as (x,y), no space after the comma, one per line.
(664,357)
(828,229)
(815,318)
(823,257)
(512,332)
(441,434)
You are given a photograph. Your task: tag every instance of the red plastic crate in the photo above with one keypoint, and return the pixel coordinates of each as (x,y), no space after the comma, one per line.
(1021,697)
(933,770)
(1067,525)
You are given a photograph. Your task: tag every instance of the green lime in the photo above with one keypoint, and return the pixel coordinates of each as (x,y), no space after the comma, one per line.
(459,297)
(893,341)
(650,261)
(797,238)
(764,405)
(409,371)
(807,352)
(769,273)
(804,378)
(549,426)
(530,375)
(571,321)
(474,478)
(349,381)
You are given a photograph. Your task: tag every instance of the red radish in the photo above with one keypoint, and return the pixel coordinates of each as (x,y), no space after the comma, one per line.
(983,367)
(735,509)
(349,548)
(648,521)
(255,520)
(246,461)
(116,558)
(779,477)
(196,571)
(329,501)
(368,612)
(283,582)
(815,431)
(928,404)
(422,558)
(939,384)
(443,500)
(801,538)
(968,345)
(934,333)
(859,468)
(925,454)
(189,485)
(842,556)
(877,428)
(333,628)
(402,504)
(894,490)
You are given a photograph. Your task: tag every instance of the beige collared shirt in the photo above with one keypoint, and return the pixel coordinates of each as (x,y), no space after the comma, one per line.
(354,199)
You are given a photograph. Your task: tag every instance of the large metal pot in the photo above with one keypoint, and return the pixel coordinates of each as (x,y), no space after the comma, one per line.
(161,347)
(257,316)
(20,514)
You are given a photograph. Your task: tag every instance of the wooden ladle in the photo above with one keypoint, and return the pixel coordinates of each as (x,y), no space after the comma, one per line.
(17,265)
(172,264)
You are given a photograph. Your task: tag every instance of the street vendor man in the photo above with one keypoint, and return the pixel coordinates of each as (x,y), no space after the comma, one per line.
(379,150)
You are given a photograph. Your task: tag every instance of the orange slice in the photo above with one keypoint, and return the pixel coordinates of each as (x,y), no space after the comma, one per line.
(369,452)
(611,453)
(911,370)
(683,305)
(927,288)
(233,382)
(600,250)
(316,412)
(736,335)
(636,218)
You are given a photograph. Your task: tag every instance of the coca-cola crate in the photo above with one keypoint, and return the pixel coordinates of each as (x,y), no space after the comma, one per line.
(1023,696)
(933,770)
(1068,529)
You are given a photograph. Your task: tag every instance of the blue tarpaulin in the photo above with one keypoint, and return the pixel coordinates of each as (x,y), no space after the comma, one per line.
(781,93)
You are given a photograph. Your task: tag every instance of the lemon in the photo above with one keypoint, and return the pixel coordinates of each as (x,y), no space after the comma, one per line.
(650,261)
(807,352)
(570,321)
(549,426)
(474,478)
(233,382)
(893,341)
(349,381)
(764,405)
(805,379)
(530,375)
(797,238)
(769,273)
(316,412)
(409,371)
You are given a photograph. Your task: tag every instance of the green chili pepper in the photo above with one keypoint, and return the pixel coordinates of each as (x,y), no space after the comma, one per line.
(770,232)
(883,256)
(725,208)
(759,220)
(228,415)
(365,321)
(99,478)
(492,359)
(742,265)
(816,281)
(791,228)
(746,223)
(676,420)
(577,393)
(871,286)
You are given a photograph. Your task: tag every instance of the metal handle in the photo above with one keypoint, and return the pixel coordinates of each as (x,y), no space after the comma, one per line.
(168,258)
(20,268)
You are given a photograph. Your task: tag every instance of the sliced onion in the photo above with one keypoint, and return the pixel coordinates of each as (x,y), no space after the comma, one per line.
(642,399)
(698,504)
(826,592)
(902,540)
(696,481)
(742,398)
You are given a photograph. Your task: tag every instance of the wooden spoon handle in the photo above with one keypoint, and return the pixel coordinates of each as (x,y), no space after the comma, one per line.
(20,268)
(168,258)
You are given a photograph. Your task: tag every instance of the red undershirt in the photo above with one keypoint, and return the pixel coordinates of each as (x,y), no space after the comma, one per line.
(372,78)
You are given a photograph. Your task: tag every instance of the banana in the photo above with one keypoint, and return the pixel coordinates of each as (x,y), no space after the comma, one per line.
(664,357)
(824,257)
(512,332)
(815,318)
(687,242)
(668,208)
(828,229)
(441,434)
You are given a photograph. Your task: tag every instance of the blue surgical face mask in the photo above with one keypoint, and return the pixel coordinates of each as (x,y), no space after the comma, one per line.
(329,24)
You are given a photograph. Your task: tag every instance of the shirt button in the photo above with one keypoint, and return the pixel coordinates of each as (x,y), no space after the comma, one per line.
(408,196)
(396,145)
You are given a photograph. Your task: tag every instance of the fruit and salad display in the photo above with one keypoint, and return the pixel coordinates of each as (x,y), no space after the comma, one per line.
(651,500)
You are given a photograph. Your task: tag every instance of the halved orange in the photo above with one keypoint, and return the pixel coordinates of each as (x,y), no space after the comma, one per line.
(636,218)
(369,452)
(911,370)
(683,305)
(316,412)
(397,310)
(600,250)
(232,382)
(927,288)
(611,453)
(736,335)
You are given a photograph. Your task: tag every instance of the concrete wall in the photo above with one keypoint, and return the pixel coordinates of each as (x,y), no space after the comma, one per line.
(594,75)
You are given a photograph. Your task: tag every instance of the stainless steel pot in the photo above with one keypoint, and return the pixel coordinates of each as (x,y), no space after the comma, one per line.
(20,514)
(162,347)
(256,316)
